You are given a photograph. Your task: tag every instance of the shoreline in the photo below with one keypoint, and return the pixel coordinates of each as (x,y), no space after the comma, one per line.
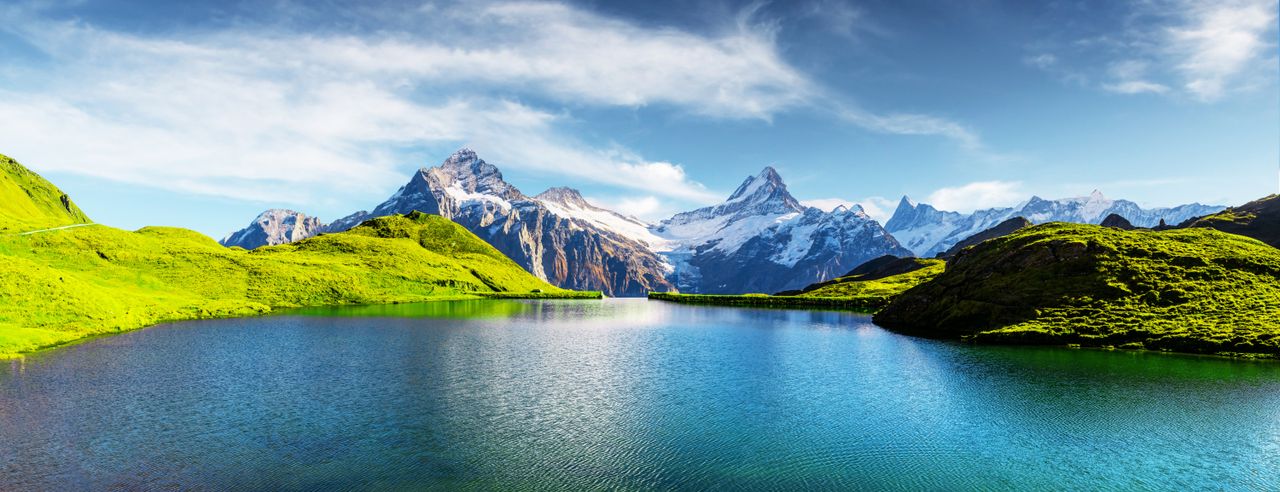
(871,305)
(866,305)
(268,310)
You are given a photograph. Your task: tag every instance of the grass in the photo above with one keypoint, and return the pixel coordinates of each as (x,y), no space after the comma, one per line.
(1187,290)
(878,291)
(61,286)
(29,202)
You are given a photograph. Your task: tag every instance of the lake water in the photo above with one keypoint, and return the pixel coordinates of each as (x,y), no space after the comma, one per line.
(620,394)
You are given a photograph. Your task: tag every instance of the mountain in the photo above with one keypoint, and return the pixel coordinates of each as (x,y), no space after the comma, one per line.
(272,227)
(1002,229)
(556,235)
(763,240)
(29,202)
(1259,219)
(1188,290)
(927,231)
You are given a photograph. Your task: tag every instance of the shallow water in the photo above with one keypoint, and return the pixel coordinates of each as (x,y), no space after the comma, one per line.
(626,394)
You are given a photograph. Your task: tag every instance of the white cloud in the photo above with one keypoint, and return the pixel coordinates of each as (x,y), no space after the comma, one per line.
(647,207)
(1135,87)
(282,118)
(912,124)
(1219,41)
(977,195)
(1129,77)
(1042,61)
(262,114)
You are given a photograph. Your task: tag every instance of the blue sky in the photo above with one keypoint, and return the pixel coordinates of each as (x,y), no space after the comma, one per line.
(202,114)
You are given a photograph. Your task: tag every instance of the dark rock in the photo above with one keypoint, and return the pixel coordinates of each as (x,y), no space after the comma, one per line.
(1117,221)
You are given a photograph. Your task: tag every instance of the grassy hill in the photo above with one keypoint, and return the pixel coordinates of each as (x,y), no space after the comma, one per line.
(1191,290)
(879,289)
(63,285)
(29,202)
(1259,219)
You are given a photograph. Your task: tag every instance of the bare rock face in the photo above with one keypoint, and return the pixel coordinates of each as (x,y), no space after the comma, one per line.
(557,236)
(274,226)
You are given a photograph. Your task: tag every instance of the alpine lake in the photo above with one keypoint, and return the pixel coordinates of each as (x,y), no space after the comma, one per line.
(623,394)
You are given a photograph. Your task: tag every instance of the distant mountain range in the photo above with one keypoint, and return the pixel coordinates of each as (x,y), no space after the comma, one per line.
(761,239)
(927,231)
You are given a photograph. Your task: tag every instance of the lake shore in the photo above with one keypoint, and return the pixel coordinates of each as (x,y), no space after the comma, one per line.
(58,339)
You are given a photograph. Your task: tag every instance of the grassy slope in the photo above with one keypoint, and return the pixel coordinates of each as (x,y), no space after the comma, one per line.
(1191,290)
(60,286)
(881,289)
(29,202)
(845,292)
(1259,219)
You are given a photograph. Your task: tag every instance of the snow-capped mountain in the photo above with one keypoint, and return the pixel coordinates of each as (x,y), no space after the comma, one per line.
(927,231)
(556,235)
(763,240)
(274,226)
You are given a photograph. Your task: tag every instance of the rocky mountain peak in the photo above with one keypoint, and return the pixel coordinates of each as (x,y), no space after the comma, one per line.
(565,196)
(765,190)
(274,226)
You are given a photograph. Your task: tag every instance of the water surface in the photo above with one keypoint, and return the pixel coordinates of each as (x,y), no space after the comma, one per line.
(623,394)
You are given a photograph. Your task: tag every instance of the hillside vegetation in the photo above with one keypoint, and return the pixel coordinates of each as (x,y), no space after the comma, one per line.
(29,202)
(878,290)
(63,285)
(1191,290)
(1259,219)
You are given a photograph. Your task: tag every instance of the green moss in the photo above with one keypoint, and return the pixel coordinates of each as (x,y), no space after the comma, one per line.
(1189,290)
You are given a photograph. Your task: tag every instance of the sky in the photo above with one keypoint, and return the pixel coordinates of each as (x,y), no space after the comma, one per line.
(203,114)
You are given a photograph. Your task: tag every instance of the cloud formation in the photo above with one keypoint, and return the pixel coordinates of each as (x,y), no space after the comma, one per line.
(1218,41)
(976,196)
(264,113)
(1186,48)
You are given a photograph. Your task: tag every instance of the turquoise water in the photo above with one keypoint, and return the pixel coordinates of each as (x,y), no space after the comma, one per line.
(620,394)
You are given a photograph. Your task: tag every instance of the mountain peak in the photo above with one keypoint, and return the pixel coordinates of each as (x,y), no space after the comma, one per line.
(563,195)
(465,162)
(767,186)
(1097,196)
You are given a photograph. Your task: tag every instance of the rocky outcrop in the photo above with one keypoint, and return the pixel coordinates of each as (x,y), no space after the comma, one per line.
(1117,221)
(272,227)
